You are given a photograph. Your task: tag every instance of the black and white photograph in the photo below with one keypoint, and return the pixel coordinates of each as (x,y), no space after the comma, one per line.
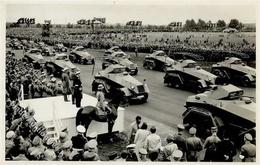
(134,81)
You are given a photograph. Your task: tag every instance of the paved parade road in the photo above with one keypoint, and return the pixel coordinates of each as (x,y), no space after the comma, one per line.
(164,106)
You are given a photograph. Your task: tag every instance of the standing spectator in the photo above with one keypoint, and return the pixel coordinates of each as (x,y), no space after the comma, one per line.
(77,86)
(136,51)
(226,149)
(131,155)
(169,149)
(73,77)
(194,146)
(66,83)
(133,128)
(248,150)
(180,140)
(79,140)
(210,145)
(153,143)
(100,98)
(140,136)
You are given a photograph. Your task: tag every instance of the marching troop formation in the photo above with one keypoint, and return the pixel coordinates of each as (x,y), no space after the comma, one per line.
(35,77)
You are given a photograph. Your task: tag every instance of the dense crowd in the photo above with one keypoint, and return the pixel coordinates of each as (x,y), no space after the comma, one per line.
(141,42)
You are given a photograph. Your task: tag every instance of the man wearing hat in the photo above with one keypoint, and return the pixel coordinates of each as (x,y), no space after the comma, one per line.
(131,155)
(9,144)
(180,140)
(77,90)
(226,149)
(143,155)
(79,140)
(100,98)
(177,156)
(90,156)
(66,83)
(169,148)
(49,153)
(210,145)
(194,145)
(67,149)
(248,150)
(91,146)
(123,156)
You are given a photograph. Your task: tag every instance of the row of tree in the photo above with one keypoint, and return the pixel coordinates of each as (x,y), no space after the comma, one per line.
(201,25)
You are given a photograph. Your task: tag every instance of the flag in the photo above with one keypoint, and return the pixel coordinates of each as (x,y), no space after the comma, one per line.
(20,21)
(32,21)
(81,22)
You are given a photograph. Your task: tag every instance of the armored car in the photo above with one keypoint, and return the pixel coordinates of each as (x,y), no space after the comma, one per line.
(187,74)
(158,60)
(34,56)
(80,55)
(116,77)
(57,63)
(233,70)
(120,58)
(225,107)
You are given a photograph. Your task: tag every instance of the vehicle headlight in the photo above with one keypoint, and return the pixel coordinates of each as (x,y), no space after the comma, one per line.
(132,87)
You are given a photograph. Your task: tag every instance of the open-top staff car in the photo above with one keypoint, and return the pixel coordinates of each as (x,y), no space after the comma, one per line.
(116,76)
(224,107)
(120,58)
(34,56)
(233,70)
(60,48)
(158,60)
(187,74)
(80,55)
(57,63)
(186,55)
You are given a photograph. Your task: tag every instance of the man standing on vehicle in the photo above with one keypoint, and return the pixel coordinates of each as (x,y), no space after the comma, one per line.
(66,83)
(77,87)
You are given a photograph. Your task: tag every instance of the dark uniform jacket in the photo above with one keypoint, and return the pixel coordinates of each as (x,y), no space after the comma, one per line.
(78,141)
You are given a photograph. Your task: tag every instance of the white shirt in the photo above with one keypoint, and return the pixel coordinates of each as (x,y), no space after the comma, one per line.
(134,128)
(140,137)
(153,142)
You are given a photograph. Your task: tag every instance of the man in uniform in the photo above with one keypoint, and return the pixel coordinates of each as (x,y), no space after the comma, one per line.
(101,98)
(73,76)
(131,155)
(180,140)
(169,148)
(77,89)
(248,150)
(66,83)
(210,145)
(79,140)
(194,145)
(177,156)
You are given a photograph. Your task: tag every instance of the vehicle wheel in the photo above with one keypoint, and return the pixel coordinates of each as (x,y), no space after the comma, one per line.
(176,84)
(151,66)
(246,82)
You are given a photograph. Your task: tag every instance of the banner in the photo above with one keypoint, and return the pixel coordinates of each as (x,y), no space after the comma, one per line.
(103,20)
(175,24)
(134,23)
(26,21)
(81,22)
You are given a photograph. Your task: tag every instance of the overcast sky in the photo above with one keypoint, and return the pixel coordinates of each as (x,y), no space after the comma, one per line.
(149,14)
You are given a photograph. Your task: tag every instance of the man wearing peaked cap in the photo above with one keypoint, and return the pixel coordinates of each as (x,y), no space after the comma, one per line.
(77,90)
(194,145)
(92,135)
(131,155)
(79,140)
(248,150)
(169,148)
(90,156)
(180,140)
(10,135)
(67,146)
(66,84)
(91,146)
(177,155)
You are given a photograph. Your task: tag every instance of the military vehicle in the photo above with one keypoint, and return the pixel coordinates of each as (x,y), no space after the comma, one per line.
(48,51)
(113,49)
(34,56)
(186,55)
(60,48)
(116,77)
(158,60)
(225,107)
(233,70)
(187,74)
(80,55)
(57,63)
(120,58)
